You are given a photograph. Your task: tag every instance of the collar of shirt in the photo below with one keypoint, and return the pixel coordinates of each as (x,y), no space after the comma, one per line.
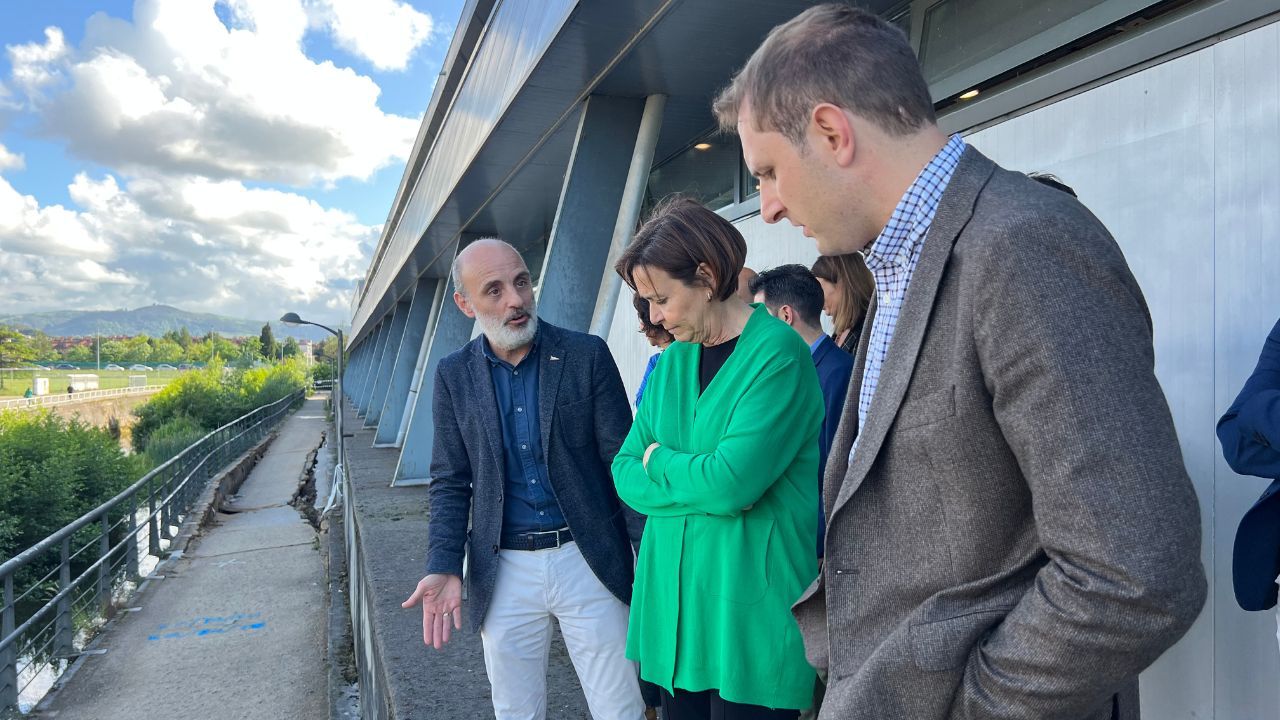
(914,212)
(493,358)
(813,346)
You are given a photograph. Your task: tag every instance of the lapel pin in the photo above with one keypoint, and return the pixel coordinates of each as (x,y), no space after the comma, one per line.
(553,357)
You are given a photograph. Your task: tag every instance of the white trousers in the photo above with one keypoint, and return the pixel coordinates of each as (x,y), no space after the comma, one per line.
(531,589)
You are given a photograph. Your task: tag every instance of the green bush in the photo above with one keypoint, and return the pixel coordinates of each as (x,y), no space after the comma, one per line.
(215,396)
(52,471)
(171,438)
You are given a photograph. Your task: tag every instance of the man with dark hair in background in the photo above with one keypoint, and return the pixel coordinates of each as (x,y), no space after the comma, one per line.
(792,294)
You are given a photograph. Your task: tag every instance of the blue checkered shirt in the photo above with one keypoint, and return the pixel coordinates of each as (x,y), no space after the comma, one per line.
(892,260)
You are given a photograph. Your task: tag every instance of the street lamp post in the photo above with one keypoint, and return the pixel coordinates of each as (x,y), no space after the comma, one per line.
(293,320)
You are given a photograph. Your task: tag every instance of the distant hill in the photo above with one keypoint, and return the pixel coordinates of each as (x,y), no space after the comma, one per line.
(154,320)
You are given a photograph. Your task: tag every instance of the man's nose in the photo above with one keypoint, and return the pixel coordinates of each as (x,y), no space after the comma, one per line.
(771,208)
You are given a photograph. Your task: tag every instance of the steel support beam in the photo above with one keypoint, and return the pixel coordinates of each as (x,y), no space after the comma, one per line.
(628,212)
(413,347)
(371,365)
(387,363)
(587,214)
(452,331)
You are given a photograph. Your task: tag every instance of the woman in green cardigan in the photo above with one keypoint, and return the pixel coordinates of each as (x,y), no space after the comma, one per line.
(723,458)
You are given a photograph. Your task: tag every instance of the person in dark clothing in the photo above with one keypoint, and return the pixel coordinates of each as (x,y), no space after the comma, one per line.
(792,294)
(1250,435)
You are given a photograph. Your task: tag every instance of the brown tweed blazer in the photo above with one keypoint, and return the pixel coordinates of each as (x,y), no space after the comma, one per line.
(1017,536)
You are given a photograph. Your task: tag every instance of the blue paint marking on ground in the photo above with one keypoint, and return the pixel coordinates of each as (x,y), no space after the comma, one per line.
(208,625)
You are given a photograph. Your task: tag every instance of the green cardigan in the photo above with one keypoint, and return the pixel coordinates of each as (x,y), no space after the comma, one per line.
(730,495)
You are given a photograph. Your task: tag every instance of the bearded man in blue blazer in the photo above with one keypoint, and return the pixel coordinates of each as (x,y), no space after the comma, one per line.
(528,417)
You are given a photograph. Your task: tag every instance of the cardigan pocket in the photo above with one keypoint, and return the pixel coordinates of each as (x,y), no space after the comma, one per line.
(734,564)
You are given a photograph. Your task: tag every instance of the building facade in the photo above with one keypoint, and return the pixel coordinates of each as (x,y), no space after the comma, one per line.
(556,123)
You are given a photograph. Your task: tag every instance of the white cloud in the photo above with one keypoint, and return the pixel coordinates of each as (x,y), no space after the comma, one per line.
(35,65)
(199,244)
(177,91)
(384,32)
(10,160)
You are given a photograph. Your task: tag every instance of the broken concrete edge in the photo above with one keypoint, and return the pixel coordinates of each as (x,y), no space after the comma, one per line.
(339,643)
(222,486)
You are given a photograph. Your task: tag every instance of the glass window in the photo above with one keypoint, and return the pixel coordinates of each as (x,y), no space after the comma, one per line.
(750,187)
(966,41)
(707,172)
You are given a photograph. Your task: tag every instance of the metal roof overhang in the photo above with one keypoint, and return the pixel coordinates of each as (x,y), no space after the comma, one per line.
(686,50)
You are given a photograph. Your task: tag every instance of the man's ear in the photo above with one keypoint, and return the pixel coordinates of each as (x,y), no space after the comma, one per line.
(461,301)
(835,132)
(787,315)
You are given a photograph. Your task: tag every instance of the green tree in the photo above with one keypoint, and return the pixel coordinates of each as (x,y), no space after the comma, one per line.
(291,348)
(79,354)
(15,349)
(138,349)
(114,351)
(166,351)
(250,353)
(42,347)
(267,342)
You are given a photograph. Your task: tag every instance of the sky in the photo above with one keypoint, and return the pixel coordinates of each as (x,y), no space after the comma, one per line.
(228,156)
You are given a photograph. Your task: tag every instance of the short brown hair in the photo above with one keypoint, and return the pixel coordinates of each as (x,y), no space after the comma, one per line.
(834,54)
(647,327)
(850,274)
(679,236)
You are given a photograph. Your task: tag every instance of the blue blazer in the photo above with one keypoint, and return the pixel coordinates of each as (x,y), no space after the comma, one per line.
(585,416)
(834,366)
(1250,435)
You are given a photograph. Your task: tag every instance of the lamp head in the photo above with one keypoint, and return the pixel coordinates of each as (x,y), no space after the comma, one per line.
(291,319)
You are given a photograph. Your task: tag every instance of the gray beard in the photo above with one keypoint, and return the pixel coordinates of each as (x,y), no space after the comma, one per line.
(506,338)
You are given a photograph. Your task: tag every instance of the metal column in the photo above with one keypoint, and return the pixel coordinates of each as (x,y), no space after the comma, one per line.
(386,363)
(412,349)
(628,212)
(371,366)
(452,331)
(587,214)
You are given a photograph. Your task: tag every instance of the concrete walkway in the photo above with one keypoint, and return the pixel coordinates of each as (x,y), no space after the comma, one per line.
(236,630)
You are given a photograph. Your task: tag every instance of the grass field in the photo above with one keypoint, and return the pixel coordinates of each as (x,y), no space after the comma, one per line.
(16,382)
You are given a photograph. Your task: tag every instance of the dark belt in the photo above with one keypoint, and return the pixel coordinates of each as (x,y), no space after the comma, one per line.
(536,540)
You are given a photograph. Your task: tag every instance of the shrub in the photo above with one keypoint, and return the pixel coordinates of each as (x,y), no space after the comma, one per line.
(215,396)
(171,438)
(52,471)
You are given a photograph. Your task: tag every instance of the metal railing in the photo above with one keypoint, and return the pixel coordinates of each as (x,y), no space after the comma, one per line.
(75,397)
(47,613)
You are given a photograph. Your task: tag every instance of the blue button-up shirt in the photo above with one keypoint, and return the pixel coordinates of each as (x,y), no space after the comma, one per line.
(892,259)
(529,503)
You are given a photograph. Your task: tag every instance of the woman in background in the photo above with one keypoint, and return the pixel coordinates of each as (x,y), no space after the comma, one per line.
(656,335)
(847,287)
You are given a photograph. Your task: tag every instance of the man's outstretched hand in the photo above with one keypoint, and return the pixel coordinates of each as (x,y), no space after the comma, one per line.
(441,597)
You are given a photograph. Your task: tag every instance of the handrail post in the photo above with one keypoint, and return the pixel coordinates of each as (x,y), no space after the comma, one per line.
(8,656)
(63,633)
(131,549)
(153,527)
(166,509)
(104,566)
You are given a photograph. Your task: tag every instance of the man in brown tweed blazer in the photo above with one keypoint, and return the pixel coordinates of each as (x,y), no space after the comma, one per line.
(1011,530)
